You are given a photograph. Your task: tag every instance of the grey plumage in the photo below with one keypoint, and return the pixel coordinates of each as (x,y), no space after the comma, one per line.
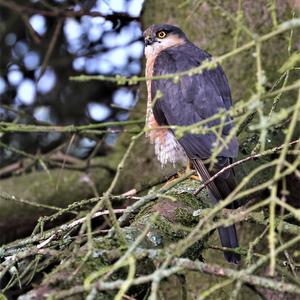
(192,99)
(189,101)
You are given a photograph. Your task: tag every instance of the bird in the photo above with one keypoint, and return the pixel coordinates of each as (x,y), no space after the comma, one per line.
(187,100)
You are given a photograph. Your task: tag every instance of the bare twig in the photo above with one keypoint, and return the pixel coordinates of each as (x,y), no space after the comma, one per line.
(241,161)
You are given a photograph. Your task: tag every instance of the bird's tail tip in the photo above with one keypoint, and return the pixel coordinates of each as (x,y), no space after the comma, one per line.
(229,239)
(233,258)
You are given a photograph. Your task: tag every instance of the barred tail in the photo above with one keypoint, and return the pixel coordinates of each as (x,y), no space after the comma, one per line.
(219,189)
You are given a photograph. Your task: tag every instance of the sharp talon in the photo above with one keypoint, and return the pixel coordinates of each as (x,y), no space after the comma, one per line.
(179,174)
(195,177)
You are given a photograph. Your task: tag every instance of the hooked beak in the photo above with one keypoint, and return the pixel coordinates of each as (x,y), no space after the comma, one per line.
(148,40)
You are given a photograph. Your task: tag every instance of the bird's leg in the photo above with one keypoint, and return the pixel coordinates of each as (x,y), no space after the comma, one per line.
(188,168)
(181,173)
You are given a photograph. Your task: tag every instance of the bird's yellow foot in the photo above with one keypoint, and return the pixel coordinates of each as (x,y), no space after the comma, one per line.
(188,168)
(195,177)
(182,173)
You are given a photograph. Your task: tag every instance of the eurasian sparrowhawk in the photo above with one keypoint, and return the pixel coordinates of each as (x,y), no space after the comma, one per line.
(190,99)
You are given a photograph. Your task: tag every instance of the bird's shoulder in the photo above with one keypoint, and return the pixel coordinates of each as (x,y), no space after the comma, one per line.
(180,58)
(188,56)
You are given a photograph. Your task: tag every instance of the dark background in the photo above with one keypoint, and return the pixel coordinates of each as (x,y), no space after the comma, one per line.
(43,43)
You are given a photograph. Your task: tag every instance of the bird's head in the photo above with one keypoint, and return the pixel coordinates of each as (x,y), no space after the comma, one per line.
(162,36)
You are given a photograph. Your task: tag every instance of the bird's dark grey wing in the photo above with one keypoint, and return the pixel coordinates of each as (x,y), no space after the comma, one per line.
(217,75)
(191,99)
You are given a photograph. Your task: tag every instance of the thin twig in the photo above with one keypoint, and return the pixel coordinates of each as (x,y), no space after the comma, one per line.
(241,161)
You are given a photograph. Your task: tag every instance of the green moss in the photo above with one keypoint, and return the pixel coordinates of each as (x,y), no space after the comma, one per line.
(168,230)
(194,202)
(145,211)
(185,217)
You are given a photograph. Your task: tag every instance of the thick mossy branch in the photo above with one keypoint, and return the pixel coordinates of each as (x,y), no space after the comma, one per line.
(153,231)
(58,188)
(173,222)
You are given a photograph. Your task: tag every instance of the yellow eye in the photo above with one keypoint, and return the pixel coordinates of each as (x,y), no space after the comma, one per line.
(161,34)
